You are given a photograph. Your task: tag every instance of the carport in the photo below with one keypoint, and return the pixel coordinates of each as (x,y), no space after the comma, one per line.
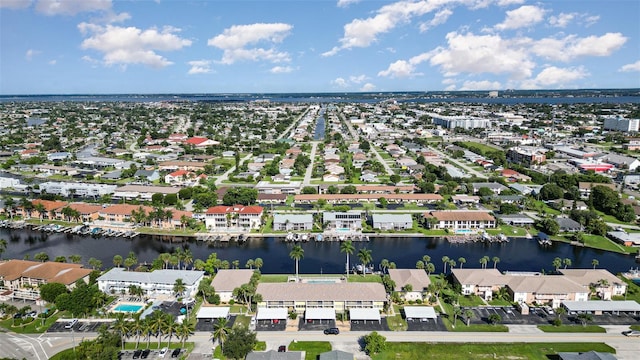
(211,313)
(364,315)
(597,307)
(312,314)
(422,313)
(274,315)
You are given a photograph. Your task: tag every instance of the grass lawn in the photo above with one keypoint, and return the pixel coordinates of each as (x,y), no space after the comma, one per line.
(470,300)
(633,291)
(273,278)
(508,230)
(313,348)
(600,242)
(499,302)
(635,327)
(484,148)
(367,278)
(461,326)
(572,329)
(260,346)
(516,351)
(242,320)
(34,327)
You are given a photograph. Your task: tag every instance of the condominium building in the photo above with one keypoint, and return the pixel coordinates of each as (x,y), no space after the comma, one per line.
(233,218)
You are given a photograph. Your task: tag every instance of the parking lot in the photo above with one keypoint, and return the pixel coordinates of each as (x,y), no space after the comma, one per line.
(208,324)
(538,316)
(306,325)
(80,326)
(152,354)
(426,325)
(369,325)
(271,325)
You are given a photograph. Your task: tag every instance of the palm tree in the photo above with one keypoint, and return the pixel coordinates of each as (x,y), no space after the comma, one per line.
(457,311)
(566,262)
(40,208)
(137,327)
(483,261)
(3,246)
(220,331)
(461,261)
(445,261)
(187,258)
(384,265)
(185,329)
(165,257)
(420,265)
(297,253)
(249,264)
(121,326)
(76,259)
(179,287)
(495,260)
(556,263)
(170,328)
(468,314)
(595,263)
(430,267)
(157,324)
(426,259)
(365,257)
(236,264)
(258,263)
(348,248)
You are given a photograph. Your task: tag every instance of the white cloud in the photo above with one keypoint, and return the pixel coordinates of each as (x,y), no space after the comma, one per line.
(130,45)
(281,69)
(404,68)
(476,54)
(481,85)
(524,16)
(199,67)
(52,62)
(14,4)
(30,54)
(340,82)
(234,40)
(562,20)
(363,32)
(359,79)
(571,46)
(631,67)
(345,3)
(112,17)
(368,87)
(438,19)
(552,76)
(71,7)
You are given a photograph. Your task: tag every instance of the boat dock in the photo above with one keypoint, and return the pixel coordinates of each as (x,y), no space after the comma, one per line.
(83,229)
(483,237)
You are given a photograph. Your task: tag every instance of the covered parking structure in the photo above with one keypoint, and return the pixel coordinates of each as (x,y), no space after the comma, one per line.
(419,313)
(318,315)
(599,307)
(213,313)
(271,315)
(364,315)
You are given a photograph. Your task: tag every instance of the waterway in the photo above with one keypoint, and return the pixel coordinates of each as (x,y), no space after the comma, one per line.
(320,126)
(319,257)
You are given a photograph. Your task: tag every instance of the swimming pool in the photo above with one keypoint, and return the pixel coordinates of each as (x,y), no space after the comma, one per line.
(128,308)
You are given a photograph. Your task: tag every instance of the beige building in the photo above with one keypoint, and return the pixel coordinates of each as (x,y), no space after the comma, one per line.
(21,278)
(460,220)
(417,278)
(226,280)
(602,281)
(340,297)
(481,282)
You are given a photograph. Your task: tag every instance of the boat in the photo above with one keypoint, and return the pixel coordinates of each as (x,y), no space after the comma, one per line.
(502,237)
(289,237)
(319,237)
(304,237)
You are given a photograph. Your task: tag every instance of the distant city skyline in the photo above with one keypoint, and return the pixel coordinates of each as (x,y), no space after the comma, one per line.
(223,46)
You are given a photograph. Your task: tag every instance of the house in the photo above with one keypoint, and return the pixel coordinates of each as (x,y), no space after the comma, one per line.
(417,279)
(336,355)
(359,159)
(275,355)
(460,220)
(545,289)
(585,188)
(343,221)
(331,178)
(289,188)
(148,175)
(154,283)
(292,222)
(516,219)
(20,279)
(568,225)
(515,176)
(178,177)
(237,217)
(392,221)
(143,192)
(338,297)
(497,188)
(589,355)
(605,283)
(465,199)
(201,142)
(369,176)
(481,282)
(226,280)
(174,165)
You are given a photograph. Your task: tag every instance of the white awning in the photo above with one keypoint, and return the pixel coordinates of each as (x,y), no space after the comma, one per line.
(271,313)
(210,312)
(420,312)
(364,314)
(320,314)
(598,305)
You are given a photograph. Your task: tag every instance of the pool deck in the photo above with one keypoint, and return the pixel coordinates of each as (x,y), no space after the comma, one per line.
(113,309)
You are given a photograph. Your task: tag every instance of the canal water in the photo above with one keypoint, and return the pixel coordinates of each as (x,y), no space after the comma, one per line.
(320,126)
(319,257)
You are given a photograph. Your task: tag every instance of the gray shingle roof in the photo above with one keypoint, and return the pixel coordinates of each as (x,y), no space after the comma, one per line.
(166,276)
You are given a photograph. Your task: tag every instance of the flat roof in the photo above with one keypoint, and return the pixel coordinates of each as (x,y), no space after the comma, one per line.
(271,313)
(364,314)
(320,313)
(420,312)
(600,305)
(213,312)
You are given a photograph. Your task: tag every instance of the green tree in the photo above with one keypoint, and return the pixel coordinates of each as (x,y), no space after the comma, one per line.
(364,255)
(41,256)
(49,292)
(297,253)
(494,319)
(220,331)
(3,246)
(557,262)
(566,262)
(374,343)
(117,260)
(551,191)
(461,261)
(347,248)
(395,178)
(595,263)
(179,287)
(495,260)
(121,326)
(240,342)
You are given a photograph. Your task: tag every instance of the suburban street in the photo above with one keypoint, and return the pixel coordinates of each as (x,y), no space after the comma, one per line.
(458,164)
(309,172)
(43,346)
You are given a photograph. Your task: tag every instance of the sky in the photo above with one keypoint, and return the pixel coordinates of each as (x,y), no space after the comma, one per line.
(243,46)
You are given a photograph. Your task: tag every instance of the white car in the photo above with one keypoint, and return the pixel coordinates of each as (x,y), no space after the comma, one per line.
(631,333)
(163,352)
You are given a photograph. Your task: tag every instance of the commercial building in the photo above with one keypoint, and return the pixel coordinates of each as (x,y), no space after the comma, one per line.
(527,155)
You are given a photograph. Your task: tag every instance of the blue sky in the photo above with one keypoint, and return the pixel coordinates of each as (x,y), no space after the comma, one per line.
(217,46)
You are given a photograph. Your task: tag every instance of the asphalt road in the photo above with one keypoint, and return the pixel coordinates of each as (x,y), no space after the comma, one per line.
(309,171)
(44,346)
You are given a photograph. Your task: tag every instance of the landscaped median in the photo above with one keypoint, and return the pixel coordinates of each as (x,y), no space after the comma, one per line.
(572,329)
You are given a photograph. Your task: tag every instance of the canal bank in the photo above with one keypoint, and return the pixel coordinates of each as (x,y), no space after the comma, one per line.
(319,257)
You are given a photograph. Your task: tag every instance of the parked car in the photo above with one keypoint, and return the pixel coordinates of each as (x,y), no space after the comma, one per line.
(332,331)
(282,348)
(136,354)
(631,333)
(71,323)
(175,353)
(163,352)
(145,354)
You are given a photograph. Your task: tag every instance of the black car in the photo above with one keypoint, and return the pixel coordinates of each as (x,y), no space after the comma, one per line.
(332,331)
(175,353)
(282,348)
(145,354)
(136,354)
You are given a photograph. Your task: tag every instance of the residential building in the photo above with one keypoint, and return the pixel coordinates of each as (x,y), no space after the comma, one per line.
(417,279)
(568,225)
(392,198)
(21,278)
(460,220)
(233,218)
(497,188)
(292,222)
(585,188)
(154,283)
(527,155)
(392,221)
(340,297)
(343,221)
(143,192)
(67,189)
(290,188)
(481,282)
(226,280)
(618,123)
(464,122)
(605,283)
